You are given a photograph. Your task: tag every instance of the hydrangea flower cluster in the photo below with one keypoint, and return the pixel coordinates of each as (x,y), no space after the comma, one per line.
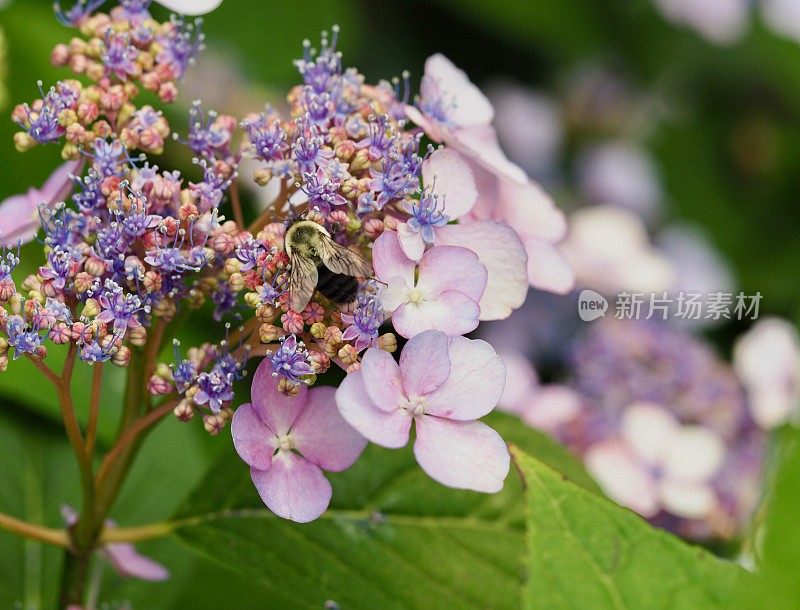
(662,423)
(131,242)
(134,244)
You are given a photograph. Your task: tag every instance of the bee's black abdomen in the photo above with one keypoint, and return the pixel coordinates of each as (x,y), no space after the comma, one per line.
(337,287)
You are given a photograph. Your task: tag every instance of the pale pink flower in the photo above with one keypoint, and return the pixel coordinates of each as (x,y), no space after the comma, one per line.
(443,295)
(190,7)
(719,21)
(624,174)
(19,214)
(610,251)
(443,384)
(658,464)
(453,110)
(123,556)
(767,361)
(450,195)
(288,441)
(535,218)
(544,407)
(448,101)
(783,17)
(529,125)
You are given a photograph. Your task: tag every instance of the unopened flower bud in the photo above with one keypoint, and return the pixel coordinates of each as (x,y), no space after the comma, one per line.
(233,265)
(137,336)
(95,267)
(361,161)
(236,282)
(165,308)
(91,308)
(288,387)
(70,152)
(152,281)
(388,343)
(184,411)
(292,322)
(158,386)
(373,227)
(252,300)
(83,282)
(213,423)
(319,361)
(390,223)
(122,357)
(3,363)
(269,333)
(348,354)
(265,313)
(262,176)
(23,142)
(3,346)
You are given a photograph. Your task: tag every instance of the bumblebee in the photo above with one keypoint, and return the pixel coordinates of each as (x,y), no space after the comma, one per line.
(318,262)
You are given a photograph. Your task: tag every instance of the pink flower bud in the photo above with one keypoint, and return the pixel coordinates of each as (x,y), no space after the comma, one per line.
(373,227)
(184,411)
(292,322)
(158,386)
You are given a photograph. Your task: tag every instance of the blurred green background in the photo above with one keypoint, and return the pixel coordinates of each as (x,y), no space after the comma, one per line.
(725,143)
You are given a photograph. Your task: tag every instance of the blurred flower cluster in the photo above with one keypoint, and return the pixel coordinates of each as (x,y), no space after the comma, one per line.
(664,424)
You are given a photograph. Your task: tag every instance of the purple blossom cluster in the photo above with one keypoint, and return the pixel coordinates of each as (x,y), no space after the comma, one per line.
(661,422)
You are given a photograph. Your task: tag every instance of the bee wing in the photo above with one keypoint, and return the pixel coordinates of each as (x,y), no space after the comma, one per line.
(302,281)
(341,260)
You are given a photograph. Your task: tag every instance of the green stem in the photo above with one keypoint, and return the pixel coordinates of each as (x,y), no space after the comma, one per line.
(74,576)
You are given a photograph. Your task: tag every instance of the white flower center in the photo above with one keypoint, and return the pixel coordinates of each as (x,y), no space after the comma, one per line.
(415,296)
(285,442)
(415,405)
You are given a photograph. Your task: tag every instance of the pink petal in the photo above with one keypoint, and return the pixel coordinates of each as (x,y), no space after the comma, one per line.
(411,242)
(693,453)
(464,455)
(521,382)
(276,410)
(425,363)
(430,128)
(531,211)
(479,144)
(128,562)
(687,499)
(436,272)
(252,438)
(547,268)
(293,487)
(551,407)
(622,477)
(190,7)
(475,384)
(19,219)
(451,179)
(499,248)
(382,428)
(381,376)
(59,184)
(452,312)
(322,436)
(389,260)
(470,105)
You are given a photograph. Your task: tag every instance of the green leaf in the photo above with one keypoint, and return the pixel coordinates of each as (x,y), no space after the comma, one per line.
(777,586)
(38,476)
(392,538)
(586,552)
